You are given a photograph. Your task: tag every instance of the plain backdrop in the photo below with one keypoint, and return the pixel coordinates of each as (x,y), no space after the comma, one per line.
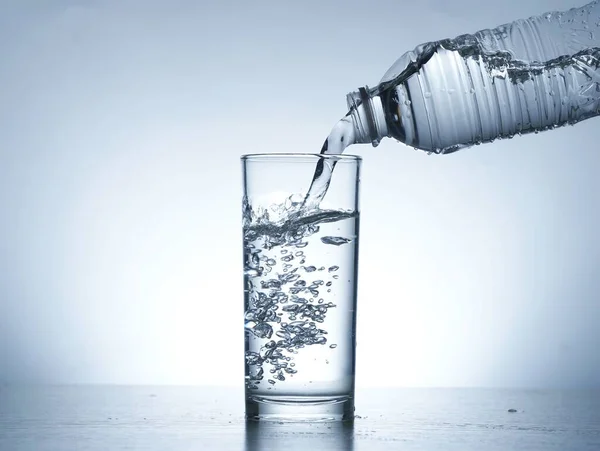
(121,127)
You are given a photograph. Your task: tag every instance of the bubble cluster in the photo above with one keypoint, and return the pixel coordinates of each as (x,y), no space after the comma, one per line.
(285,308)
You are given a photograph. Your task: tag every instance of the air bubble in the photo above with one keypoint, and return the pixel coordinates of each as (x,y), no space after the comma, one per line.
(335,240)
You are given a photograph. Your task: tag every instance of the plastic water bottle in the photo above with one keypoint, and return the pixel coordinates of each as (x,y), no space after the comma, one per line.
(527,76)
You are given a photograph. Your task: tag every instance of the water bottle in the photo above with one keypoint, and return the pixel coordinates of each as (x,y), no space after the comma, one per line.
(527,76)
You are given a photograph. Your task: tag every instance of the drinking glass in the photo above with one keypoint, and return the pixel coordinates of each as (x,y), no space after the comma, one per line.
(300,278)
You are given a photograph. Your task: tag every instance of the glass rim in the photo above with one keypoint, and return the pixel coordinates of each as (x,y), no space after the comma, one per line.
(299,157)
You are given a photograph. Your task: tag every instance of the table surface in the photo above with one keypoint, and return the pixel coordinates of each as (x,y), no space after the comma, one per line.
(44,418)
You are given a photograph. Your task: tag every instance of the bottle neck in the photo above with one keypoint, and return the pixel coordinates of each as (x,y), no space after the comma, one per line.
(368,116)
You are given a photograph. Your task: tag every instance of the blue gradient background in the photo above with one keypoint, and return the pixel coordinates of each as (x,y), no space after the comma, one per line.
(121,128)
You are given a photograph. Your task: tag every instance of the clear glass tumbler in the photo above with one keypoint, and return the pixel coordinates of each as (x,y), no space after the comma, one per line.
(300,277)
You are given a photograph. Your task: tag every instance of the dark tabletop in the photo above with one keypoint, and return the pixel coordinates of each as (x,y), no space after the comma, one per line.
(44,418)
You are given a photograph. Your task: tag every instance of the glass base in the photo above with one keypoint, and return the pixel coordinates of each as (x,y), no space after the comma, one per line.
(299,408)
